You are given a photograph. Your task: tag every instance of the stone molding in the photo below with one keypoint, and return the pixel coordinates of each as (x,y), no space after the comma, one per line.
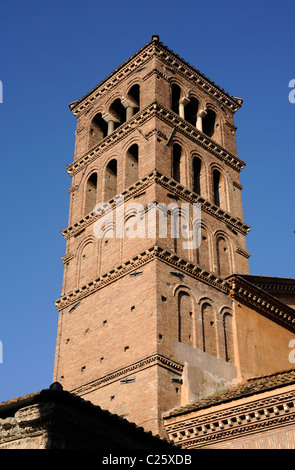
(172,119)
(171,185)
(152,360)
(170,59)
(233,422)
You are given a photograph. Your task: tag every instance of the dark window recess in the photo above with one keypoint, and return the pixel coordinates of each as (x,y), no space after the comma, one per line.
(176,157)
(216,185)
(177,274)
(173,196)
(138,195)
(127,380)
(74,306)
(177,380)
(135,273)
(196,175)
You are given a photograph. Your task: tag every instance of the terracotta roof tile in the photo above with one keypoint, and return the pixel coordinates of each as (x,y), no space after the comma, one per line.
(250,387)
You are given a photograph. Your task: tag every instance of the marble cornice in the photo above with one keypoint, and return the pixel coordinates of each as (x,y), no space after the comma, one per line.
(119,271)
(172,186)
(144,363)
(167,116)
(169,58)
(235,420)
(260,300)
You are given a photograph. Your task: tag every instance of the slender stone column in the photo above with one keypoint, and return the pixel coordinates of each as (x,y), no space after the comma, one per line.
(110,119)
(130,105)
(201,114)
(182,103)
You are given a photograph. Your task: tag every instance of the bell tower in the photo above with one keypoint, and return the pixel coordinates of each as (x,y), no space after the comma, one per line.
(145,319)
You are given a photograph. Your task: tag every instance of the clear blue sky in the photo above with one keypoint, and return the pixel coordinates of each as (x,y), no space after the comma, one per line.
(52,53)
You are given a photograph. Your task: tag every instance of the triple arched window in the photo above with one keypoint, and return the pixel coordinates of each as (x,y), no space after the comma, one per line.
(202,327)
(118,112)
(190,109)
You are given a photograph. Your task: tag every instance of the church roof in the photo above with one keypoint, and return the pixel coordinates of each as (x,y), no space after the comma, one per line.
(251,386)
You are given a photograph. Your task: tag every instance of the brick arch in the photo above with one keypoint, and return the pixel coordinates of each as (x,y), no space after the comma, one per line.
(204,251)
(109,248)
(86,255)
(223,186)
(85,206)
(181,230)
(110,181)
(97,128)
(226,315)
(185,315)
(180,173)
(113,97)
(224,254)
(133,81)
(132,227)
(131,159)
(209,327)
(219,123)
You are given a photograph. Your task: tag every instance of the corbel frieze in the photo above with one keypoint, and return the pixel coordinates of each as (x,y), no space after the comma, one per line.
(154,359)
(234,422)
(154,252)
(172,186)
(170,118)
(170,59)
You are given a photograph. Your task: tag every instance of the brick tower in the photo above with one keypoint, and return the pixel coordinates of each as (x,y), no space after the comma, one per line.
(145,323)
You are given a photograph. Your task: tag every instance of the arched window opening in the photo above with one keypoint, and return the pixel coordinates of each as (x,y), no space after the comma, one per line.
(119,112)
(197,175)
(131,175)
(176,157)
(185,318)
(203,251)
(86,264)
(209,123)
(176,91)
(191,111)
(209,330)
(134,94)
(98,130)
(228,337)
(223,257)
(216,187)
(111,180)
(91,190)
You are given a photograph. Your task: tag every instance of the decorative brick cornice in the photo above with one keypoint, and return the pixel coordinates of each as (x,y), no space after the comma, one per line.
(173,187)
(259,300)
(152,253)
(149,361)
(172,119)
(235,421)
(170,59)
